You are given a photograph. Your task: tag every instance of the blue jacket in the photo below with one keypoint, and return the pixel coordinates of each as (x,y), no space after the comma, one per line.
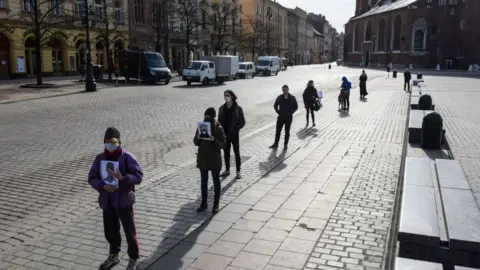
(346,85)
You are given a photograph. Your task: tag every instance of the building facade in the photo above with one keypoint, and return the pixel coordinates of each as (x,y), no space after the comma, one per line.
(414,33)
(63,48)
(302,54)
(309,43)
(292,33)
(318,40)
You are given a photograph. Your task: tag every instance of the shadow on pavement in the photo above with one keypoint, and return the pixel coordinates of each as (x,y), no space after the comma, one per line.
(273,161)
(307,132)
(343,114)
(365,100)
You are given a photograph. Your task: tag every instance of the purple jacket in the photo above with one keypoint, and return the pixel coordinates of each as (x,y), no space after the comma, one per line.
(132,175)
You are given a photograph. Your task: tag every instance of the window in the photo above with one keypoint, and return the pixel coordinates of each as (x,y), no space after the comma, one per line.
(157,14)
(368,31)
(118,12)
(462,24)
(2,4)
(139,12)
(452,11)
(78,8)
(98,7)
(397,33)
(419,40)
(28,5)
(381,36)
(442,2)
(56,7)
(211,65)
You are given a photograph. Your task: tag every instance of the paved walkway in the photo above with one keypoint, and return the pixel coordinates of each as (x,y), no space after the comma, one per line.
(335,184)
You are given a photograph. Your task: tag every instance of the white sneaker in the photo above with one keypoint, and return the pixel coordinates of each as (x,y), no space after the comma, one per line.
(239,176)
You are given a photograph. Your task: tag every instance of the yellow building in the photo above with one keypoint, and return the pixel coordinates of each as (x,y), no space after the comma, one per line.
(64,54)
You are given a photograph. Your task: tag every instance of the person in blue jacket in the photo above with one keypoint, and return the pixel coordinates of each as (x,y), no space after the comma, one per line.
(345,92)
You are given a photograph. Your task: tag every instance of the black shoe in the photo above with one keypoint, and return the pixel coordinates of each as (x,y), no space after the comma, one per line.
(285,146)
(215,210)
(110,262)
(132,264)
(273,146)
(306,125)
(202,208)
(313,125)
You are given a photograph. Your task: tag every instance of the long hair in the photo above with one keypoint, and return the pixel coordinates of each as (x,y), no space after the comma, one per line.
(230,92)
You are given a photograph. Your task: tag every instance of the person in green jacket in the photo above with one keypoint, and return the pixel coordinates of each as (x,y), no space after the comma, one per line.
(209,158)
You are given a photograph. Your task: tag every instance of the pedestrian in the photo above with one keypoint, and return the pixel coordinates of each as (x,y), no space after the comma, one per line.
(117,201)
(407,76)
(209,159)
(310,96)
(363,85)
(231,118)
(285,106)
(345,92)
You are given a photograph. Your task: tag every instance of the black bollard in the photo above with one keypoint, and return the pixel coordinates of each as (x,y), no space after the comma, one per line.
(329,66)
(432,131)
(425,102)
(394,74)
(419,76)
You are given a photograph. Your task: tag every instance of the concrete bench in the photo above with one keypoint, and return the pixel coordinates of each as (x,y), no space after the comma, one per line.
(415,82)
(415,126)
(439,217)
(414,101)
(408,264)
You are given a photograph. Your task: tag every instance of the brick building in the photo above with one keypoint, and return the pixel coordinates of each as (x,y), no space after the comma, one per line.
(421,33)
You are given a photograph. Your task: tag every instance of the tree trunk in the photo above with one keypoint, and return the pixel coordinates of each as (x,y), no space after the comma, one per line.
(38,49)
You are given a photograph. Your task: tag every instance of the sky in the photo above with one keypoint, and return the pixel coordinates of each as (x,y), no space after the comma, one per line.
(337,12)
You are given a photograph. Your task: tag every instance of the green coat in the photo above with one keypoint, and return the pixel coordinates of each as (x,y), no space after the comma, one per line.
(209,156)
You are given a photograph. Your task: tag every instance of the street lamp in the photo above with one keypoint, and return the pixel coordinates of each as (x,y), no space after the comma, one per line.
(90,84)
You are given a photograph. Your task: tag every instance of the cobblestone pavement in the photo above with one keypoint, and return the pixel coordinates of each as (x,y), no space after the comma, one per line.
(43,139)
(455,100)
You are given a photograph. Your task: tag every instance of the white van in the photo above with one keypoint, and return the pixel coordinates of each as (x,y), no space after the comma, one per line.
(246,69)
(268,65)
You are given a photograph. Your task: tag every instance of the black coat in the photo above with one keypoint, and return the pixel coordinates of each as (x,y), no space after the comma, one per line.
(407,75)
(309,96)
(285,108)
(236,122)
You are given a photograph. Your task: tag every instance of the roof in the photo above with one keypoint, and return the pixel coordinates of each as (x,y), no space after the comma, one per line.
(385,6)
(315,32)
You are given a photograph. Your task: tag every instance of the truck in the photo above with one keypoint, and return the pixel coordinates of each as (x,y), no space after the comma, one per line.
(144,66)
(218,68)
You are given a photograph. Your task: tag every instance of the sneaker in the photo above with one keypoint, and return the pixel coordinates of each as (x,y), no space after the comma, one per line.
(215,210)
(313,125)
(225,173)
(273,146)
(239,176)
(132,264)
(306,125)
(201,208)
(111,261)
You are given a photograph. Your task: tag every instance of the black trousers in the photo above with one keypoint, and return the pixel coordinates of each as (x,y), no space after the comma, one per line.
(407,83)
(204,187)
(287,122)
(346,101)
(235,142)
(111,224)
(311,112)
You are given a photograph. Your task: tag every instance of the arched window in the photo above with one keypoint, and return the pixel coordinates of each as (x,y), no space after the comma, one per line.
(356,38)
(381,35)
(419,40)
(368,31)
(397,33)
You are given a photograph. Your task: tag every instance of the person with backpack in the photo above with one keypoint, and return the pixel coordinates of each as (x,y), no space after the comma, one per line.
(310,96)
(117,200)
(363,85)
(407,76)
(345,92)
(285,106)
(230,116)
(209,159)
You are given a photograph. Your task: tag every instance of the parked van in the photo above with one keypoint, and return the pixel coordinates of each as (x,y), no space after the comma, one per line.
(218,68)
(268,65)
(246,69)
(146,66)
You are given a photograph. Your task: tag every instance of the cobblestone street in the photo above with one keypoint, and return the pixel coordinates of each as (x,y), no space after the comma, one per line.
(334,184)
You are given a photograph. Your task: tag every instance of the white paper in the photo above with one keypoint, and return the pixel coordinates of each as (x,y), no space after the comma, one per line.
(204,130)
(107,178)
(320,94)
(20,65)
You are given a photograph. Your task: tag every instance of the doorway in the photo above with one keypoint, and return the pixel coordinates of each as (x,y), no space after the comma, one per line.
(367,58)
(30,56)
(57,56)
(4,57)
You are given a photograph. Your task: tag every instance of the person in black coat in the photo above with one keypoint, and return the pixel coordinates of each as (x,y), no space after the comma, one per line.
(232,119)
(407,76)
(285,106)
(363,84)
(310,96)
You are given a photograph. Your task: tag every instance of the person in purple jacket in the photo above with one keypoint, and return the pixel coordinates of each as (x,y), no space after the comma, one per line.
(117,201)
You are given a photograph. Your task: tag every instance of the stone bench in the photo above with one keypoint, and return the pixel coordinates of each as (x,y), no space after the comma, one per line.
(439,217)
(414,101)
(408,264)
(415,126)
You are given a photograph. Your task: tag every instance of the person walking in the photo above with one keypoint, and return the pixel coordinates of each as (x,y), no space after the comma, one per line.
(285,106)
(117,201)
(209,159)
(310,96)
(345,92)
(407,76)
(363,85)
(230,116)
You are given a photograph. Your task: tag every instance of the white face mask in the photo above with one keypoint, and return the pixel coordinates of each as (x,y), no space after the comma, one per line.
(228,99)
(111,147)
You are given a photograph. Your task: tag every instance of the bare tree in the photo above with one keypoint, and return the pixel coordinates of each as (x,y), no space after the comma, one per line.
(185,20)
(252,36)
(40,18)
(222,24)
(108,19)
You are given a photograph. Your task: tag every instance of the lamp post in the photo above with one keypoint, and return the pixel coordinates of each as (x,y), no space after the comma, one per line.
(90,84)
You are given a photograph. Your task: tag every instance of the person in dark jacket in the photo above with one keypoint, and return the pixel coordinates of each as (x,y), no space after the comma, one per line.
(117,201)
(310,96)
(230,116)
(363,84)
(209,158)
(407,76)
(285,106)
(345,92)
